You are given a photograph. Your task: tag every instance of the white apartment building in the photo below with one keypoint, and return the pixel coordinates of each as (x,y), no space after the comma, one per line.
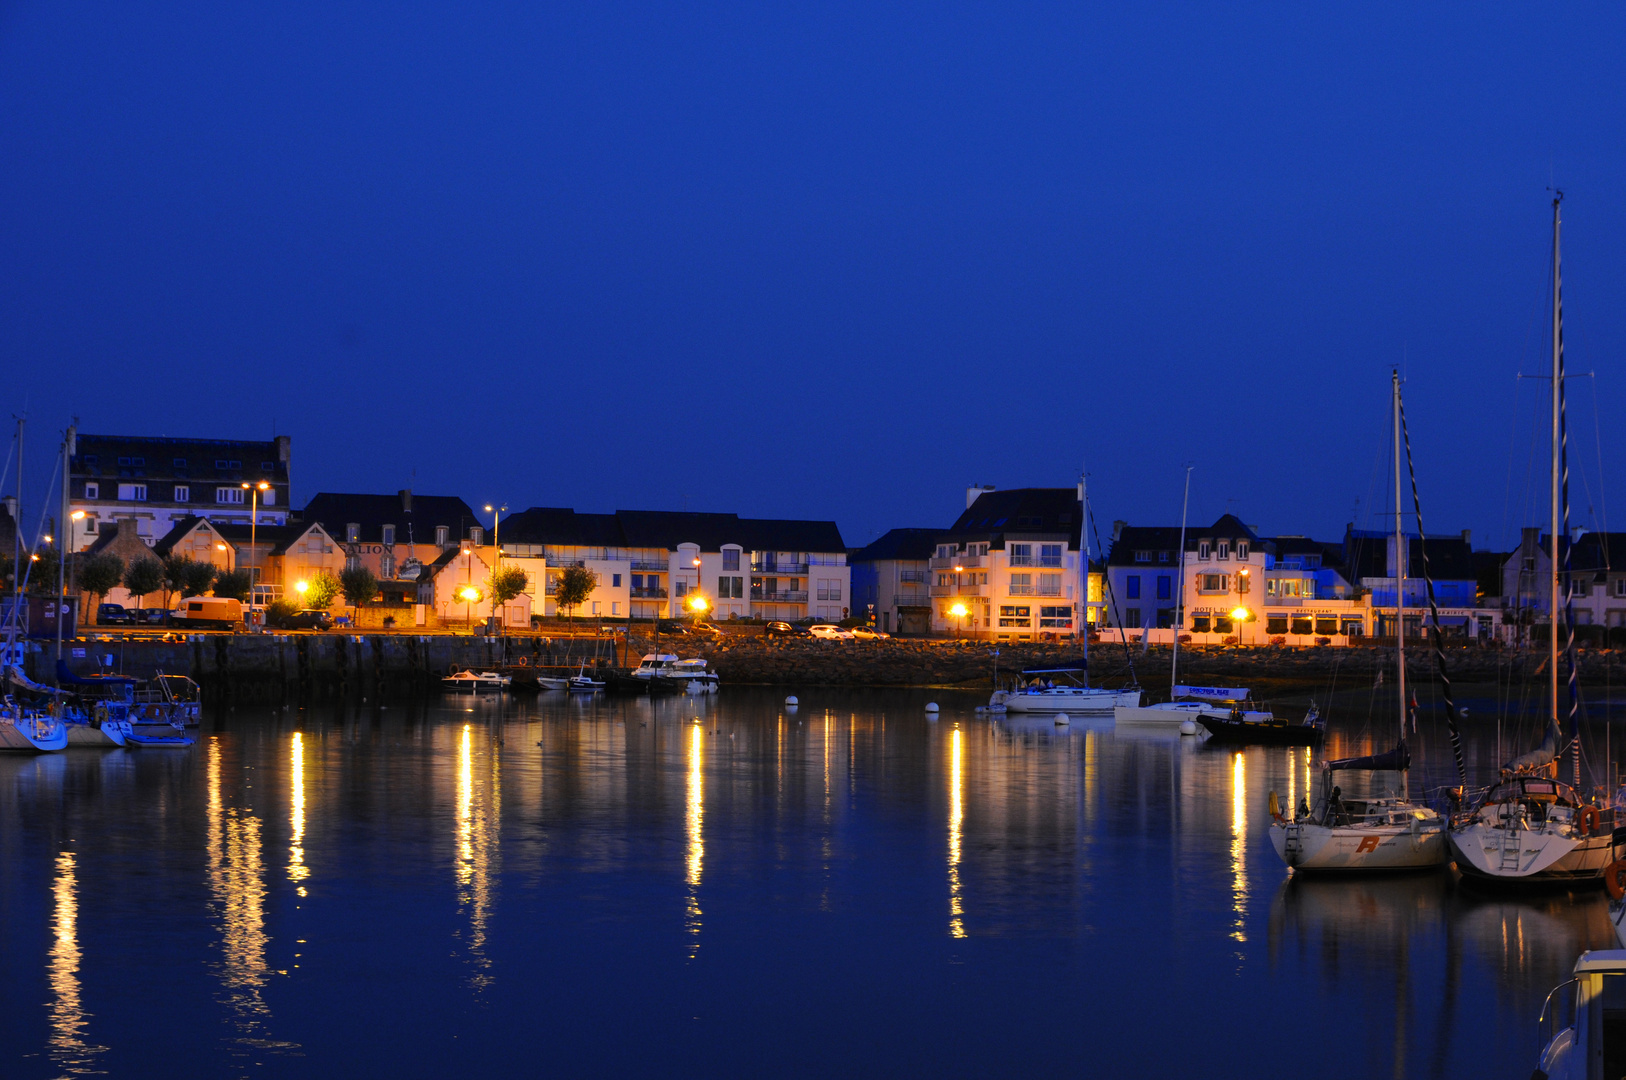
(891,580)
(156,483)
(1010,567)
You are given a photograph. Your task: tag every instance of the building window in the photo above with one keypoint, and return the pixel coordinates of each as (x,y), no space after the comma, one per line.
(1132,588)
(352,532)
(943,580)
(92,491)
(615,607)
(1578,587)
(1326,626)
(477,535)
(443,535)
(1165,587)
(1049,584)
(1276,624)
(680,587)
(1015,615)
(90,526)
(1132,618)
(1049,554)
(1021,554)
(1199,624)
(1163,556)
(389,535)
(1202,550)
(1211,582)
(229,495)
(132,493)
(1055,618)
(1222,550)
(386,566)
(1021,585)
(1242,550)
(1620,584)
(615,581)
(1528,564)
(268,497)
(1143,556)
(183,493)
(731,559)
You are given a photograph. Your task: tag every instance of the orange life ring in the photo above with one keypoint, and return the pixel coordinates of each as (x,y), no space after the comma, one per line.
(1614,878)
(523,661)
(1587,820)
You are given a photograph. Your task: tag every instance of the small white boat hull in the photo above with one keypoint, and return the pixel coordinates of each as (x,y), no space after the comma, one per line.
(1492,853)
(1418,845)
(109,733)
(32,735)
(550,683)
(1068,700)
(1170,713)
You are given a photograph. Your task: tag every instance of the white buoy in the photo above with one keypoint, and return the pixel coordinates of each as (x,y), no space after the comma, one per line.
(1188,727)
(792,700)
(1061,719)
(931,706)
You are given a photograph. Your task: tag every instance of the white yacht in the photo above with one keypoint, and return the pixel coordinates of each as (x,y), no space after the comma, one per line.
(1038,692)
(29,730)
(691,674)
(1532,827)
(1190,703)
(476,680)
(1582,1026)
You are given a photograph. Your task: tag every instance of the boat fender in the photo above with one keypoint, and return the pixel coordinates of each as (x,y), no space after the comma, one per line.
(1587,820)
(1614,878)
(1275,807)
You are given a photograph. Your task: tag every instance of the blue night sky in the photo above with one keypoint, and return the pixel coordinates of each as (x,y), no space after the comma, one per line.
(824,260)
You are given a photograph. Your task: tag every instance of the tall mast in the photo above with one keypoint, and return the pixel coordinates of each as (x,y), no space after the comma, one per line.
(63,527)
(1084,567)
(1552,563)
(1400,578)
(1180,589)
(17,561)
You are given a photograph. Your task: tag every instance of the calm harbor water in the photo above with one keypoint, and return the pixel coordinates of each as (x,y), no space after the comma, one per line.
(609,887)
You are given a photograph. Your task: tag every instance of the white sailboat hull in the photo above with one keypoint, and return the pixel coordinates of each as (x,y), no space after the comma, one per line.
(1493,853)
(109,733)
(32,735)
(1419,845)
(1070,699)
(1172,713)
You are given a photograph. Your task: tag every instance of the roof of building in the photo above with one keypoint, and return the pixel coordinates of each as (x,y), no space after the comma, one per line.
(1017,512)
(1594,552)
(1450,558)
(907,545)
(123,535)
(1228,527)
(176,534)
(182,460)
(667,529)
(423,513)
(1134,538)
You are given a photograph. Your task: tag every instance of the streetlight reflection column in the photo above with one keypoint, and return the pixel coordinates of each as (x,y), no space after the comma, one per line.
(694,819)
(956,816)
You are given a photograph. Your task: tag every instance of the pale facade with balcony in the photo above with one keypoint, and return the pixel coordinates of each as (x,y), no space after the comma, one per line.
(891,580)
(1010,567)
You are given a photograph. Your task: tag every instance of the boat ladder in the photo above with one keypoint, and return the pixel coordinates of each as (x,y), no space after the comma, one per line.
(1294,846)
(1512,847)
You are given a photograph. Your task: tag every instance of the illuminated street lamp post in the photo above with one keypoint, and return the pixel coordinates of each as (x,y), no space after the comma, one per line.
(698,603)
(470,595)
(253,525)
(496,539)
(959,612)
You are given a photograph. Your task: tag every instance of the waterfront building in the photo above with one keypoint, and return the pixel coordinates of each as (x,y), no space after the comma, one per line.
(155,482)
(648,563)
(891,580)
(1008,568)
(1371,556)
(1597,578)
(395,535)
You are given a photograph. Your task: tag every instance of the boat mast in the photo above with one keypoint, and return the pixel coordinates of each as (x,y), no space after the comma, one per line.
(1180,589)
(1552,562)
(1400,581)
(1083,627)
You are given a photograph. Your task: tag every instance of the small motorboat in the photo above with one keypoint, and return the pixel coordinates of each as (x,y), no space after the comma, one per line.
(476,680)
(1580,1028)
(1263,729)
(151,736)
(548,682)
(664,671)
(583,683)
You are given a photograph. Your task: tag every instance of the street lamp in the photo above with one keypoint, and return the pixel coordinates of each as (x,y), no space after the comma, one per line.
(496,540)
(470,595)
(959,612)
(302,587)
(698,604)
(65,581)
(253,523)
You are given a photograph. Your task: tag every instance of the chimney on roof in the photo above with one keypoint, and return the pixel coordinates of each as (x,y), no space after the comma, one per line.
(1529,539)
(406,500)
(1118,528)
(1467,538)
(974,492)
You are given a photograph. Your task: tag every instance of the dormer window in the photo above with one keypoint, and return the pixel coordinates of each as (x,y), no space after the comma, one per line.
(389,535)
(442,535)
(1222,550)
(1242,550)
(1143,556)
(1163,556)
(476,535)
(1202,551)
(352,532)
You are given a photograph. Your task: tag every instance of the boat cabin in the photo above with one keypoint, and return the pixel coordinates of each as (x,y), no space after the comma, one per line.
(1583,1023)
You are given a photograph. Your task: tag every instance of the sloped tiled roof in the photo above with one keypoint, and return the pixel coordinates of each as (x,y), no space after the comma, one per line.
(997,514)
(424,513)
(910,545)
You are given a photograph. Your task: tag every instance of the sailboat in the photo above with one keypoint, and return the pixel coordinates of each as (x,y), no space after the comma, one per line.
(24,728)
(1531,827)
(1038,690)
(1367,834)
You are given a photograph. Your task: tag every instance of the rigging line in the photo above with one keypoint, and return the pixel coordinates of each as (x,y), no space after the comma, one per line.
(1597,443)
(1112,603)
(1433,607)
(1569,546)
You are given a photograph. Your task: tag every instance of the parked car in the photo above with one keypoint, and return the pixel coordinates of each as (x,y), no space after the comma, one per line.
(111,614)
(869,633)
(308,619)
(783,629)
(151,616)
(826,632)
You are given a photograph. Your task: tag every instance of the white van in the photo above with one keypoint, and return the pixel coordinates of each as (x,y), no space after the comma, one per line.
(216,611)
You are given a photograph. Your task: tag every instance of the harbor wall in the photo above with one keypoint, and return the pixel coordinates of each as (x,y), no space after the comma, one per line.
(273,667)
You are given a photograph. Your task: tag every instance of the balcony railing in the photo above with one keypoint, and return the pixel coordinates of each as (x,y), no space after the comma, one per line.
(957,561)
(911,600)
(648,564)
(649,594)
(916,577)
(943,590)
(778,597)
(780,569)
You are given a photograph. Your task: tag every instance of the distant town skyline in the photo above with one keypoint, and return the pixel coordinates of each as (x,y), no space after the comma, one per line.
(826,263)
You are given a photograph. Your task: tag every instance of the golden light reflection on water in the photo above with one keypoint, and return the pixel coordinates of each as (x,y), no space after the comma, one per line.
(68,1048)
(956,816)
(1239,847)
(694,819)
(237,882)
(478,820)
(297,870)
